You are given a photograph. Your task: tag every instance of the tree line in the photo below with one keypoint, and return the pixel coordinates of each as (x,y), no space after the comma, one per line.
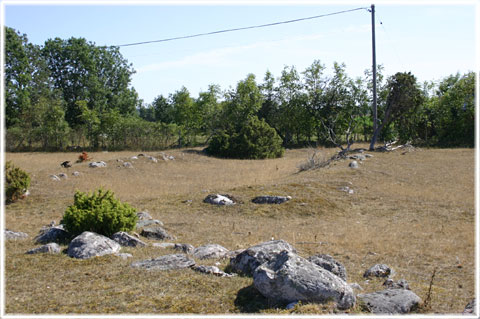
(71,93)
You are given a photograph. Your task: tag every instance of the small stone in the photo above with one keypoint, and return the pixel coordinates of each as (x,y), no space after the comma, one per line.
(76,174)
(378,270)
(12,235)
(271,199)
(156,232)
(88,245)
(353,164)
(185,248)
(166,262)
(125,239)
(212,270)
(50,248)
(127,165)
(218,199)
(63,175)
(211,251)
(164,245)
(291,305)
(124,256)
(144,215)
(390,301)
(54,178)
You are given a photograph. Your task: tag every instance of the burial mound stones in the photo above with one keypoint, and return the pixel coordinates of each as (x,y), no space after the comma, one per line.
(127,240)
(156,232)
(167,262)
(247,261)
(211,251)
(56,234)
(88,245)
(12,235)
(50,248)
(378,270)
(327,262)
(218,199)
(288,277)
(390,301)
(271,199)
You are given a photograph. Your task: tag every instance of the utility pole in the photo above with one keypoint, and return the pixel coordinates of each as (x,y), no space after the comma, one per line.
(374,69)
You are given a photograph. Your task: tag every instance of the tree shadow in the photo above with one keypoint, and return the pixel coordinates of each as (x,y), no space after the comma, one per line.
(249,300)
(196,152)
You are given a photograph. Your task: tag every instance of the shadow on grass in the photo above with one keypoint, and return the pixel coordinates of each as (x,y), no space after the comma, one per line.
(249,300)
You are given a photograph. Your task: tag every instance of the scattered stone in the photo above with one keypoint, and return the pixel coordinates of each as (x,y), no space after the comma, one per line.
(89,244)
(148,222)
(127,165)
(54,178)
(249,259)
(378,270)
(327,262)
(470,307)
(212,270)
(76,174)
(97,164)
(50,248)
(9,235)
(119,160)
(289,277)
(347,189)
(390,301)
(127,240)
(185,248)
(166,262)
(211,251)
(164,245)
(134,158)
(271,199)
(217,199)
(56,234)
(156,232)
(153,159)
(368,155)
(399,284)
(144,215)
(124,256)
(359,157)
(63,175)
(353,164)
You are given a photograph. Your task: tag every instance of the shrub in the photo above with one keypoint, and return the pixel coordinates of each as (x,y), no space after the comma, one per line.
(17,182)
(255,139)
(99,212)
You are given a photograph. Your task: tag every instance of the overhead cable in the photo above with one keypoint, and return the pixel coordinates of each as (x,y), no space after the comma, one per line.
(242,28)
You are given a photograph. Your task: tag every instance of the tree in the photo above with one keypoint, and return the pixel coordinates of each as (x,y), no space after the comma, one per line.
(100,76)
(240,133)
(404,95)
(185,115)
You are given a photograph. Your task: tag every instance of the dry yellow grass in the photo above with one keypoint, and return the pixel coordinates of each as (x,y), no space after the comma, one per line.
(414,212)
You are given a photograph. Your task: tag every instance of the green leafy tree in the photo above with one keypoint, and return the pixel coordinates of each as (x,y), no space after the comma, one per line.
(240,133)
(404,97)
(17,182)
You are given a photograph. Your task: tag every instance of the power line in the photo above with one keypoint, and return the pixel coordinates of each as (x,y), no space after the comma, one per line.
(242,28)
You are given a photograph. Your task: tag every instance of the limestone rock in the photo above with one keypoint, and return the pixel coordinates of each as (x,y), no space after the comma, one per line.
(148,222)
(212,270)
(390,301)
(163,245)
(185,248)
(271,199)
(211,251)
(166,262)
(249,259)
(124,256)
(127,165)
(217,199)
(54,178)
(88,244)
(127,240)
(378,270)
(156,232)
(399,284)
(55,234)
(327,262)
(289,277)
(50,248)
(97,164)
(145,215)
(9,235)
(353,164)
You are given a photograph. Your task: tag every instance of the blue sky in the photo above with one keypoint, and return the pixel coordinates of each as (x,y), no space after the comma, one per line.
(432,40)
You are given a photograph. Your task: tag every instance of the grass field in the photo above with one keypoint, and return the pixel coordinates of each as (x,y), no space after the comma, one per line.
(414,212)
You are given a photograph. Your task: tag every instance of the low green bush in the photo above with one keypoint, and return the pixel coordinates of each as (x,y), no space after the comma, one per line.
(99,212)
(17,182)
(255,139)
